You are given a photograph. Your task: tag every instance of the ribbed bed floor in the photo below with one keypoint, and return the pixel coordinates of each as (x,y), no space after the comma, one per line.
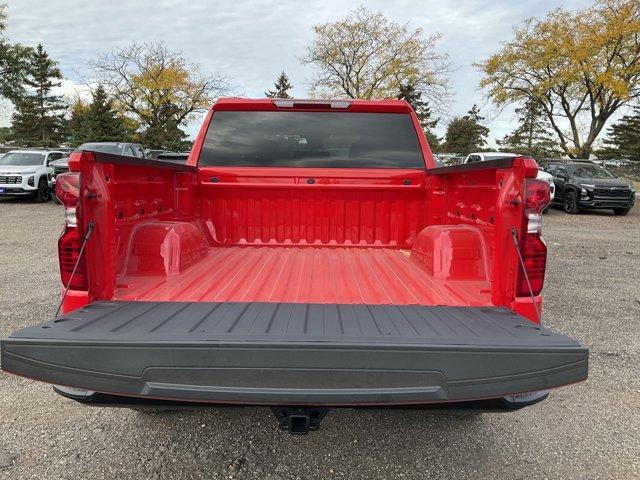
(369,276)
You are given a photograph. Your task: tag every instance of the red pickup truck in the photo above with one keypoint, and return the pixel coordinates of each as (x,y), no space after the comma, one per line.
(308,255)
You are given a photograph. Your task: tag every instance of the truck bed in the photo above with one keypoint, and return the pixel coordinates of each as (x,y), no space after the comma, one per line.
(273,353)
(367,276)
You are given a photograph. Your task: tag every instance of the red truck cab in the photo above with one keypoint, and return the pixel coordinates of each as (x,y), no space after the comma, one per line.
(309,255)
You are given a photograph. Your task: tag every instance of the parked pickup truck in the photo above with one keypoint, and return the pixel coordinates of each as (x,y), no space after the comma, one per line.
(309,255)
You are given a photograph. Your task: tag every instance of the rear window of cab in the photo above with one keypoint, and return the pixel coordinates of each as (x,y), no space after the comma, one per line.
(311,139)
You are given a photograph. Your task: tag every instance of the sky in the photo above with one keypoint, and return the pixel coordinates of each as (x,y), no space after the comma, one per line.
(251,42)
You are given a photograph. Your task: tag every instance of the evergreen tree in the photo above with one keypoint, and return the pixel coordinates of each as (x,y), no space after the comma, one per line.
(466,134)
(165,131)
(76,125)
(532,137)
(413,97)
(98,121)
(623,138)
(39,116)
(6,135)
(13,62)
(282,87)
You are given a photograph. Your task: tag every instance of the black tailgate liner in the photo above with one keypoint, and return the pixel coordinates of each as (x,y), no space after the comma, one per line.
(285,353)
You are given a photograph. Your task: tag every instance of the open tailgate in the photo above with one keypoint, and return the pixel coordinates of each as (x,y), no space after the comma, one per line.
(286,353)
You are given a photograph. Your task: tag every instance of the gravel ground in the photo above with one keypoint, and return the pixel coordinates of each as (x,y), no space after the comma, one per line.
(585,431)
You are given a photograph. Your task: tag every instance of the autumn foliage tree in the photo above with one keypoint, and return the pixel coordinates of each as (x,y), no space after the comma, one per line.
(159,88)
(368,56)
(578,67)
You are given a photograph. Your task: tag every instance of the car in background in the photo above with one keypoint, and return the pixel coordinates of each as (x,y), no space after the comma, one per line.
(582,184)
(447,159)
(153,153)
(59,167)
(542,175)
(482,156)
(28,173)
(115,148)
(176,157)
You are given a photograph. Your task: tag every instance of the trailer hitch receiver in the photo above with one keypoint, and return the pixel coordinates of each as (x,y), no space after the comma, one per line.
(299,421)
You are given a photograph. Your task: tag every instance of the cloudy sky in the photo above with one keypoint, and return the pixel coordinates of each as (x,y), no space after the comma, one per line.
(251,41)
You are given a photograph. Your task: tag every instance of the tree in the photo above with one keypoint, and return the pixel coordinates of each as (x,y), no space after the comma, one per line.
(97,121)
(39,116)
(13,63)
(466,134)
(532,136)
(624,138)
(6,135)
(414,98)
(435,142)
(76,125)
(367,56)
(282,87)
(159,88)
(167,133)
(579,67)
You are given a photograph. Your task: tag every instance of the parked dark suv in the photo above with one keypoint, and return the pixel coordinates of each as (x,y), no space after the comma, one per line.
(585,185)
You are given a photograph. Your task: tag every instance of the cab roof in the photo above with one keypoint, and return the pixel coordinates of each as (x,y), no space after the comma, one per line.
(41,152)
(315,104)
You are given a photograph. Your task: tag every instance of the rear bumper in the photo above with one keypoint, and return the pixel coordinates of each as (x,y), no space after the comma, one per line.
(503,404)
(13,190)
(606,203)
(309,374)
(495,353)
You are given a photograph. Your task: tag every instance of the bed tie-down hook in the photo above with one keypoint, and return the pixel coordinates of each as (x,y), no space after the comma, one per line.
(515,201)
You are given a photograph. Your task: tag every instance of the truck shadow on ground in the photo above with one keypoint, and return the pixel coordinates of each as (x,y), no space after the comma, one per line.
(20,200)
(229,440)
(555,210)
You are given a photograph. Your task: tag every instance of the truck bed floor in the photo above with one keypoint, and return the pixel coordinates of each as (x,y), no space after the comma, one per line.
(373,276)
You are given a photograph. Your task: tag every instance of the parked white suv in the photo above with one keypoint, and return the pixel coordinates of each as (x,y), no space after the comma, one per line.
(482,156)
(27,172)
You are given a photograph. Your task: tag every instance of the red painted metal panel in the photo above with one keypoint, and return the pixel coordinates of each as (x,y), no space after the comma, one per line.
(264,206)
(374,276)
(267,104)
(242,212)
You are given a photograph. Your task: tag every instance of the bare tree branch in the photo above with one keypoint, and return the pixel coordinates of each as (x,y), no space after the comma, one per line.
(367,56)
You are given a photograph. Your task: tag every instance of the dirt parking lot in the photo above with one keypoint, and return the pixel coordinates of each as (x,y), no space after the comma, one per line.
(585,431)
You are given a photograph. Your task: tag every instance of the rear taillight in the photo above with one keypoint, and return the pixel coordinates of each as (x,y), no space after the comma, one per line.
(68,192)
(68,188)
(532,246)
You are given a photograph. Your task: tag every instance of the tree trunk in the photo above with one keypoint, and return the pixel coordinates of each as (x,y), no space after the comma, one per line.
(584,152)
